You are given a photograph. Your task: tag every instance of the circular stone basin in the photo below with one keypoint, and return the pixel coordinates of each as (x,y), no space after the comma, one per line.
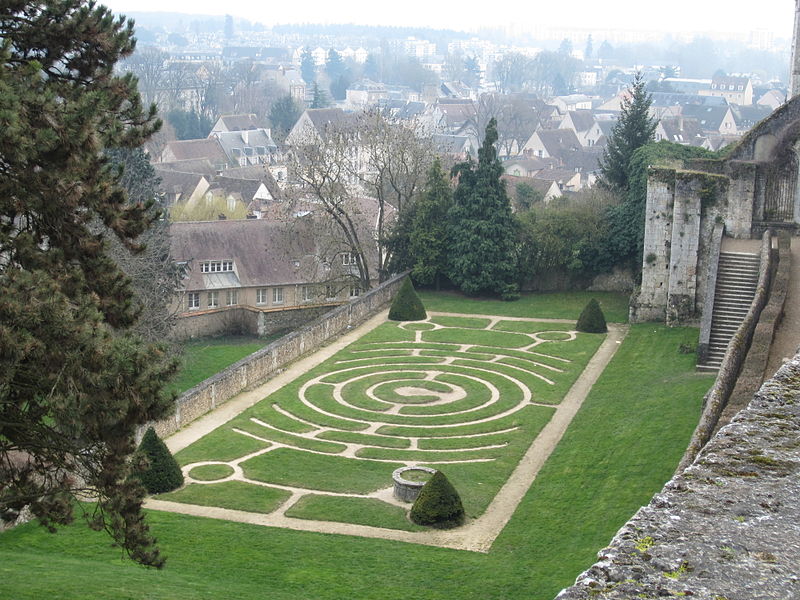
(211,472)
(408,481)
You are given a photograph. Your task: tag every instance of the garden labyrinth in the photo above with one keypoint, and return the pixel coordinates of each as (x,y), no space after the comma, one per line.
(467,395)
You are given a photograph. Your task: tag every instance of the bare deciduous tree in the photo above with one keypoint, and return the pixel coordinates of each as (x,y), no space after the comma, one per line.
(362,171)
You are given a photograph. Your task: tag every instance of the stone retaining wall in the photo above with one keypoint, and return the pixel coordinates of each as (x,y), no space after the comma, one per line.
(253,370)
(726,527)
(717,398)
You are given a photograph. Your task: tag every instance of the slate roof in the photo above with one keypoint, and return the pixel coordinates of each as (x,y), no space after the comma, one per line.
(709,117)
(174,183)
(260,173)
(209,149)
(240,122)
(201,166)
(582,119)
(559,142)
(682,130)
(451,144)
(322,117)
(585,160)
(664,99)
(747,117)
(251,143)
(288,249)
(246,189)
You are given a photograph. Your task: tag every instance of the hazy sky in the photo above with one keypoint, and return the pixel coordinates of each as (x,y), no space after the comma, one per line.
(672,15)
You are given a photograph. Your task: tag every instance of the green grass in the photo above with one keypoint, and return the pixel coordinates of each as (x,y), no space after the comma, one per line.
(221,444)
(210,472)
(555,305)
(203,358)
(362,511)
(329,473)
(621,448)
(236,495)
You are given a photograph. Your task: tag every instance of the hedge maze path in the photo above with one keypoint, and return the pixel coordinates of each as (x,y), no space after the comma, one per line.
(467,395)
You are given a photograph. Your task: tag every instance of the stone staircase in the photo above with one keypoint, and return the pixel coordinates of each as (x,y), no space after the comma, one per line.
(737,279)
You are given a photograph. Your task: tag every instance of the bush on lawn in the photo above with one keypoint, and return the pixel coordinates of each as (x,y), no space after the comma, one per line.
(162,473)
(592,319)
(406,305)
(438,504)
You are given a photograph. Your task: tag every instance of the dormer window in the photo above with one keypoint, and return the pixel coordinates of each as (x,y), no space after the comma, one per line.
(216,266)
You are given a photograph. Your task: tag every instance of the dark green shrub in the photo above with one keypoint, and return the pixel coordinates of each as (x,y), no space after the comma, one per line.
(406,305)
(438,504)
(162,473)
(592,319)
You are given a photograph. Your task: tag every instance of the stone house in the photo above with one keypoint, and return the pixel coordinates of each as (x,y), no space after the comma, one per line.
(736,90)
(284,270)
(552,143)
(582,122)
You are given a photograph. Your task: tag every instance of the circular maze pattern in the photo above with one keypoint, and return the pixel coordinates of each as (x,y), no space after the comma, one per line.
(449,390)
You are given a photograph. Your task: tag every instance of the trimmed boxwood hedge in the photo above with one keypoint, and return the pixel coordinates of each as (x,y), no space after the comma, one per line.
(162,473)
(406,305)
(592,319)
(438,504)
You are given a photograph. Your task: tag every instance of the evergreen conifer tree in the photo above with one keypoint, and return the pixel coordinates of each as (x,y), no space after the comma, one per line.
(634,129)
(438,504)
(428,245)
(308,68)
(406,305)
(482,230)
(162,473)
(75,384)
(319,99)
(592,319)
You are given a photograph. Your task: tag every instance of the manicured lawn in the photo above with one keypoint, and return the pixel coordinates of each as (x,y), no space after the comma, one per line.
(620,449)
(554,305)
(203,358)
(383,382)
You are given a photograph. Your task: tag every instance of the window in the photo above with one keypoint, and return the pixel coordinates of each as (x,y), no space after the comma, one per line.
(741,88)
(277,295)
(232,297)
(216,266)
(330,292)
(348,258)
(193,300)
(261,296)
(213,299)
(305,293)
(355,291)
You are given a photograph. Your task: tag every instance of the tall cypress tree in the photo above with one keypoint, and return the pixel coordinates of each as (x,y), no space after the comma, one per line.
(481,226)
(634,129)
(75,383)
(308,68)
(428,245)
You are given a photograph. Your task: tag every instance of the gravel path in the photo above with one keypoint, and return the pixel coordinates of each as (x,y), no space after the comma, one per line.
(478,534)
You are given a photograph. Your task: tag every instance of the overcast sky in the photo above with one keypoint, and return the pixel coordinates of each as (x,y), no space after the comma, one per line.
(776,16)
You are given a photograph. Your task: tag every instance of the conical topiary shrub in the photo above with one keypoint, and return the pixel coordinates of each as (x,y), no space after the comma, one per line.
(162,473)
(438,504)
(407,306)
(592,319)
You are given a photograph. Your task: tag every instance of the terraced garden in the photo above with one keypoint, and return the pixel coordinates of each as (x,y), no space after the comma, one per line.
(463,394)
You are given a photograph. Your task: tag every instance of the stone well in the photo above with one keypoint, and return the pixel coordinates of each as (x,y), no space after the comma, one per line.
(405,489)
